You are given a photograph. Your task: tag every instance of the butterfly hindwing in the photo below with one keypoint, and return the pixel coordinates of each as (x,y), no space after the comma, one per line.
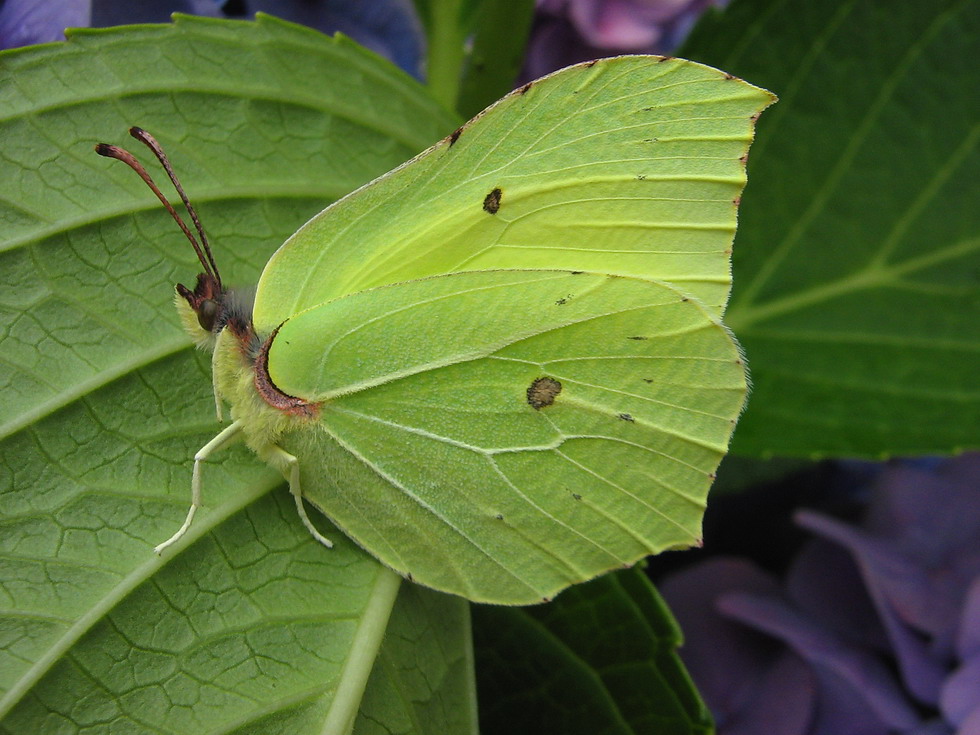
(501,452)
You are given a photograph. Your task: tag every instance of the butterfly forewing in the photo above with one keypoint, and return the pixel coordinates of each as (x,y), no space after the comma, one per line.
(631,166)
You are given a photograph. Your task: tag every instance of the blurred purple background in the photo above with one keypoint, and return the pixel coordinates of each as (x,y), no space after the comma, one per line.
(565,31)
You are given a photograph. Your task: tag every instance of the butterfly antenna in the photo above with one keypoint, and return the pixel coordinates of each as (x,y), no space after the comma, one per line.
(150,142)
(120,154)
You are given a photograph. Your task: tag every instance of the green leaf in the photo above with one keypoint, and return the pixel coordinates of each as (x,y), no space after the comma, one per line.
(857,260)
(89,263)
(475,49)
(601,658)
(447,24)
(253,627)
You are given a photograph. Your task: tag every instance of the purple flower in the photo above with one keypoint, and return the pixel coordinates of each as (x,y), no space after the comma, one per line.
(25,22)
(569,31)
(874,630)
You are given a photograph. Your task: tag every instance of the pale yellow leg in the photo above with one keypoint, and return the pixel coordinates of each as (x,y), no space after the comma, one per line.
(214,385)
(229,434)
(286,460)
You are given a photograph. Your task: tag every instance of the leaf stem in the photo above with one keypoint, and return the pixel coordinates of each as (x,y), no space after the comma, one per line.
(446,52)
(363,651)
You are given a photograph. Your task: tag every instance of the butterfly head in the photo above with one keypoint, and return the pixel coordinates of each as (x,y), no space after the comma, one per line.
(202,311)
(210,307)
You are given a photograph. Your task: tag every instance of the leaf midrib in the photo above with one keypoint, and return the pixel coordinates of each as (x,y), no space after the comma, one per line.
(873,275)
(321,191)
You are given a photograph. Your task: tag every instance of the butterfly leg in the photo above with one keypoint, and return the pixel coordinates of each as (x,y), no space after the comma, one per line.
(215,372)
(286,461)
(229,434)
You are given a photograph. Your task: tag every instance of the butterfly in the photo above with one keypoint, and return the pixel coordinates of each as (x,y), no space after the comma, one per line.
(501,368)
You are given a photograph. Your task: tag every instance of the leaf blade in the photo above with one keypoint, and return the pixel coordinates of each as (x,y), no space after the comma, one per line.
(604,654)
(857,306)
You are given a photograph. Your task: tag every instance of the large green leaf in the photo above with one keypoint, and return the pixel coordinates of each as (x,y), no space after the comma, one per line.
(602,658)
(857,260)
(253,627)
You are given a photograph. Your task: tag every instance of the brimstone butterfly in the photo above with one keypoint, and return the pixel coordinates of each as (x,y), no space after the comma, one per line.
(500,368)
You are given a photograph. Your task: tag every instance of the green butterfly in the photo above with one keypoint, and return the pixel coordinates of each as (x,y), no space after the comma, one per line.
(500,368)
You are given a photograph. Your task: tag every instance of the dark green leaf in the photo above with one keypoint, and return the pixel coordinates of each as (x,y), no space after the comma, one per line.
(601,658)
(857,262)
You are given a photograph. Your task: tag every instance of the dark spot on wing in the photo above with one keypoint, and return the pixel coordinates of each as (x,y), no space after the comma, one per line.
(627,417)
(542,392)
(455,136)
(491,202)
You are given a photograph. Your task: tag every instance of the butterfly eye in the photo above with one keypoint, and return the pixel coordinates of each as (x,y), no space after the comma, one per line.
(207,314)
